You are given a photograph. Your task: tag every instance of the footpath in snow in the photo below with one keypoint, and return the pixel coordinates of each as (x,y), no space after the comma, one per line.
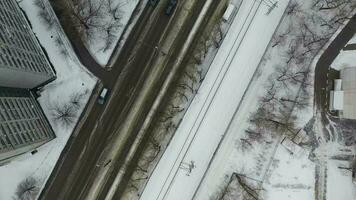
(213,108)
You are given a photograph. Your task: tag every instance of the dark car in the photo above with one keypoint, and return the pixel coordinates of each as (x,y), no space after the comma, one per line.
(153,2)
(171,6)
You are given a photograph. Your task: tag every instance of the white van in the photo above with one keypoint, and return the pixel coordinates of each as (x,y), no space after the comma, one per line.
(102,97)
(229,13)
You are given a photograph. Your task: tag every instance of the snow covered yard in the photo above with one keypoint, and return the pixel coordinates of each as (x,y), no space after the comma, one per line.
(102,45)
(340,185)
(73,82)
(290,177)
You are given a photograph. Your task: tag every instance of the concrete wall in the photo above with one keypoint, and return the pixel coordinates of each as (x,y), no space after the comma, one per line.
(7,156)
(21,79)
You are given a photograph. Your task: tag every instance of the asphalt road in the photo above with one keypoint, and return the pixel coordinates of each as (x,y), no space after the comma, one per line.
(78,160)
(76,168)
(324,74)
(180,41)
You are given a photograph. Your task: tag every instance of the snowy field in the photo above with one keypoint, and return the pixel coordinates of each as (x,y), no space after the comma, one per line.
(340,185)
(290,177)
(72,78)
(97,46)
(215,104)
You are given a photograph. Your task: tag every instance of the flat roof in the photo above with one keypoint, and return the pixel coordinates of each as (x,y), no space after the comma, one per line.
(337,84)
(348,76)
(228,12)
(338,100)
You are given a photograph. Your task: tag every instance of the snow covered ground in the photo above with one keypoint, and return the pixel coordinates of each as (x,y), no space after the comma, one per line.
(290,177)
(213,108)
(97,47)
(346,58)
(353,40)
(340,185)
(71,78)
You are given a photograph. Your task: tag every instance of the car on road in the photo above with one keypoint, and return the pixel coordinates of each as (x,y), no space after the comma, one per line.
(103,95)
(171,6)
(153,3)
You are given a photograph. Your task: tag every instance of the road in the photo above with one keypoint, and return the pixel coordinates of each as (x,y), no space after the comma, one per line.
(80,160)
(81,153)
(324,76)
(187,158)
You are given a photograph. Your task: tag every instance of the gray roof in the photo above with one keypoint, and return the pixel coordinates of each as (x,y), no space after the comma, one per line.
(348,76)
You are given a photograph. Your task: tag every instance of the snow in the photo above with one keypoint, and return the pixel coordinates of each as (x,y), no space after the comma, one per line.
(71,78)
(345,59)
(340,185)
(353,40)
(291,177)
(292,147)
(96,47)
(209,116)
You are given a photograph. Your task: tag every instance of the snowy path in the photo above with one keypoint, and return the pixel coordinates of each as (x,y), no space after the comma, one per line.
(217,101)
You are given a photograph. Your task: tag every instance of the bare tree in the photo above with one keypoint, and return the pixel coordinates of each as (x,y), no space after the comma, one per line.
(88,13)
(293,8)
(240,187)
(292,53)
(115,10)
(64,114)
(43,14)
(59,43)
(27,189)
(218,34)
(76,99)
(330,4)
(97,19)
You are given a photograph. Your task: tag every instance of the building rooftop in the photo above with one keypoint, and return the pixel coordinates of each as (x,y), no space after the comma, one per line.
(348,76)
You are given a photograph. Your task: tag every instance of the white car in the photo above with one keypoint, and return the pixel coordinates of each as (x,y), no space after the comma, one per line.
(102,97)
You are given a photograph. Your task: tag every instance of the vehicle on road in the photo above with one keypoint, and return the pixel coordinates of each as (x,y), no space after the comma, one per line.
(153,3)
(103,96)
(171,6)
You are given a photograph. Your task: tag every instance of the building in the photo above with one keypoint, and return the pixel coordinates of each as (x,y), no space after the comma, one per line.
(22,61)
(348,76)
(23,66)
(22,123)
(229,13)
(343,97)
(337,96)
